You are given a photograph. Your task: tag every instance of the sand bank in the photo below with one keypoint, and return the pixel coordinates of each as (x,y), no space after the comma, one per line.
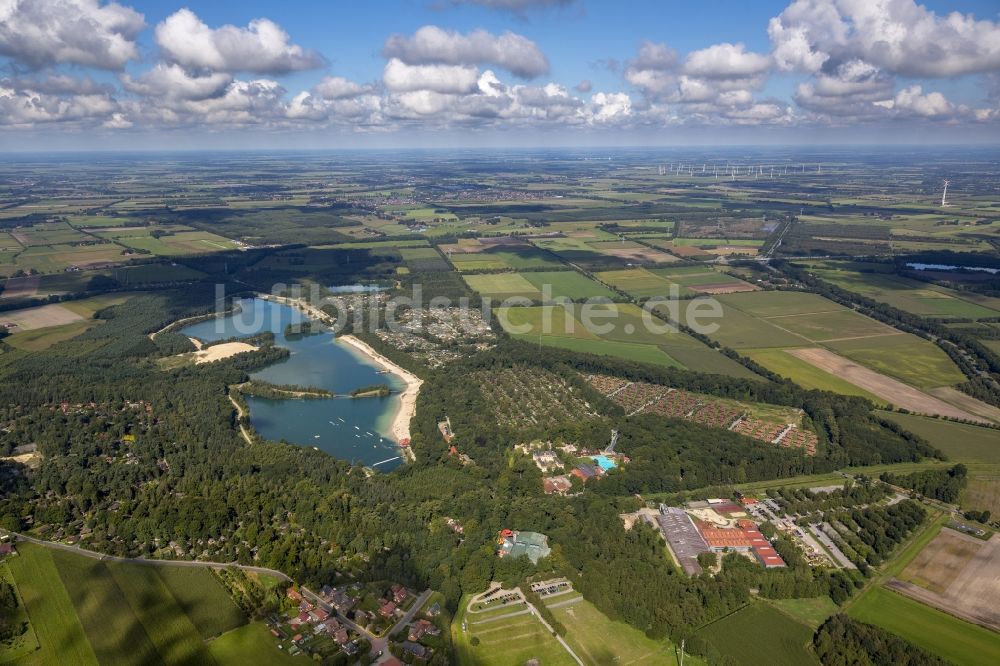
(408,398)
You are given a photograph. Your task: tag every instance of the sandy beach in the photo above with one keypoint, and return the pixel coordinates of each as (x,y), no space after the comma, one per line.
(221,351)
(408,398)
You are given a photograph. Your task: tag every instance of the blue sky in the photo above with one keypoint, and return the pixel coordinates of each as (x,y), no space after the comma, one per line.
(89,73)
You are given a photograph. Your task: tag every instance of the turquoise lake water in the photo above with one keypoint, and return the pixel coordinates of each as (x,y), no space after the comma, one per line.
(355,430)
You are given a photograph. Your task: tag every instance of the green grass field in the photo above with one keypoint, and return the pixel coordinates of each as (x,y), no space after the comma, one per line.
(738,636)
(812,611)
(170,630)
(87,611)
(105,613)
(738,330)
(502,285)
(777,303)
(836,325)
(568,284)
(960,442)
(638,282)
(630,352)
(627,337)
(946,636)
(203,598)
(919,298)
(251,644)
(600,642)
(504,642)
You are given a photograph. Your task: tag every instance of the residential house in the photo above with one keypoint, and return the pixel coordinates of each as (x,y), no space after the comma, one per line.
(416,649)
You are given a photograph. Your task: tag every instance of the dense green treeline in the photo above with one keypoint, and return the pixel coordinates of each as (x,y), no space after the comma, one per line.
(940,484)
(842,641)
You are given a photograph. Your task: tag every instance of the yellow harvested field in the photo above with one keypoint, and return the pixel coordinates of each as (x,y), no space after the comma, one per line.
(891,390)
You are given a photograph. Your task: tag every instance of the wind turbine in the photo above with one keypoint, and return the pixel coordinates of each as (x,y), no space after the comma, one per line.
(944,195)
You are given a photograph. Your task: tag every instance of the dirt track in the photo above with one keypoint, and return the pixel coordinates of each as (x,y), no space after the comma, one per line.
(892,390)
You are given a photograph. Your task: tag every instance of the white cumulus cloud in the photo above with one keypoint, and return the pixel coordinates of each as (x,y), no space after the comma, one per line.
(262,47)
(431,45)
(39,33)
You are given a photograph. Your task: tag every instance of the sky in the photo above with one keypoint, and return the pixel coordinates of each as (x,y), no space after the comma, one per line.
(228,74)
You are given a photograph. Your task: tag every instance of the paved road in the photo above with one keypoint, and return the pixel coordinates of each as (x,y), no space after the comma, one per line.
(141,560)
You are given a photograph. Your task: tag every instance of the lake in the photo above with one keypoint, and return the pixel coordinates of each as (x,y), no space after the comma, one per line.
(355,430)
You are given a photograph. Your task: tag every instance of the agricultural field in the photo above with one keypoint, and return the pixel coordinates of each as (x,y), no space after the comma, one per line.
(423,259)
(87,610)
(784,363)
(982,492)
(48,233)
(56,258)
(958,574)
(170,241)
(959,441)
(960,642)
(736,637)
(619,330)
(704,281)
(502,285)
(505,257)
(600,254)
(920,298)
(568,284)
(916,361)
(43,338)
(892,366)
(60,635)
(38,317)
(41,327)
(639,283)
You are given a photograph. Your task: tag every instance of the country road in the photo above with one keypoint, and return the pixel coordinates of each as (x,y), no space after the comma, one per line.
(140,560)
